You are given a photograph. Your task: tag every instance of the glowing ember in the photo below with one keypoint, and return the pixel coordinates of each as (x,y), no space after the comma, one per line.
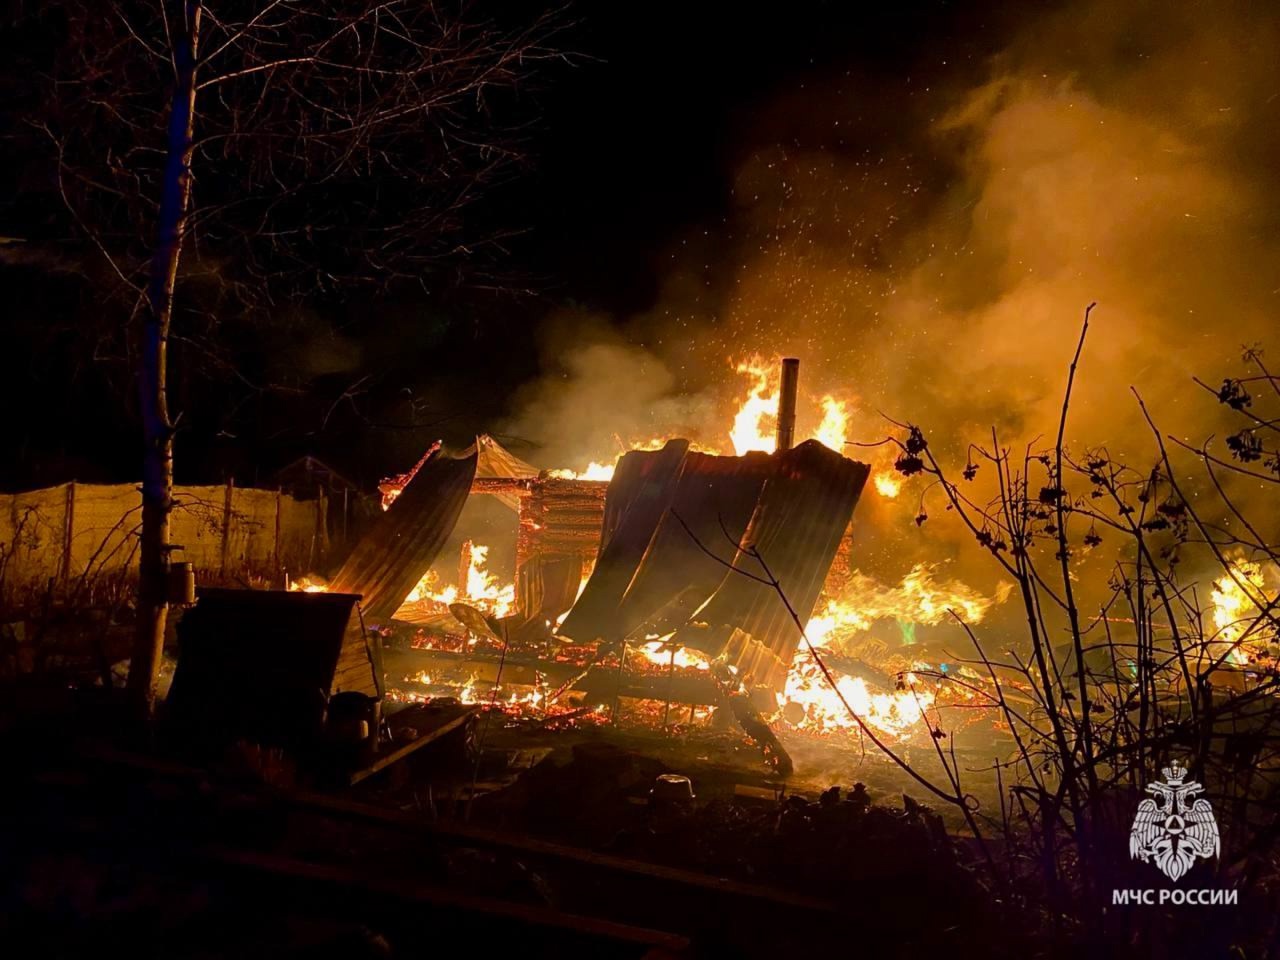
(308,585)
(476,691)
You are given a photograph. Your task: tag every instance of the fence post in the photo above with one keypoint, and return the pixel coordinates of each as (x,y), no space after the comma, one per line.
(226,523)
(320,534)
(68,530)
(275,551)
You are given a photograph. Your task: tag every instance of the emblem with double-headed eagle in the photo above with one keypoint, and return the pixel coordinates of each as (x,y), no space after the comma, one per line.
(1170,829)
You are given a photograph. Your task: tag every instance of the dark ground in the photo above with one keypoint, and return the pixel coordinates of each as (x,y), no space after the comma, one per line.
(561,851)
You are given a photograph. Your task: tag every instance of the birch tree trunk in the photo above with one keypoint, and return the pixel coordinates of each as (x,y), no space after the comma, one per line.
(157,428)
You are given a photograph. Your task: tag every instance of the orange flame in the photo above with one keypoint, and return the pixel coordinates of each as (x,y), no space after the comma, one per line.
(755,423)
(481,588)
(308,585)
(920,598)
(1237,598)
(833,430)
(809,702)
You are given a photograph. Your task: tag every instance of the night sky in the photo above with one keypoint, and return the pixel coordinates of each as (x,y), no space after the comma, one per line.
(641,144)
(628,146)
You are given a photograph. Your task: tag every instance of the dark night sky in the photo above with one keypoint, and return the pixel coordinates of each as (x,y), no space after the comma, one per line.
(638,143)
(643,141)
(635,144)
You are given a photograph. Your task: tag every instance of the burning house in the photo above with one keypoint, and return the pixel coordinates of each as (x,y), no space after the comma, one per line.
(659,589)
(715,561)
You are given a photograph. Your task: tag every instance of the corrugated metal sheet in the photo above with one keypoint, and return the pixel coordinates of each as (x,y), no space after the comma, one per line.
(653,574)
(804,509)
(715,498)
(642,488)
(390,560)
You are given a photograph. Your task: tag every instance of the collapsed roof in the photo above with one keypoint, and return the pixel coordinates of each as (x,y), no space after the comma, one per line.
(691,544)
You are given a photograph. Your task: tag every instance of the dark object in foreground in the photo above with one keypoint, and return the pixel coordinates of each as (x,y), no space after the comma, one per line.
(293,675)
(259,665)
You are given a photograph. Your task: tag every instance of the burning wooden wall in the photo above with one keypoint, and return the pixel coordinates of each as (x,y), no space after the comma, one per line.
(560,529)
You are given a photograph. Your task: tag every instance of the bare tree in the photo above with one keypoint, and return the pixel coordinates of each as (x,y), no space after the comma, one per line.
(1150,599)
(221,157)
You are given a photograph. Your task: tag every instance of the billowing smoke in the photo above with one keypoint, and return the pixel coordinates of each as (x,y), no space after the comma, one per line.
(1118,153)
(601,394)
(1123,153)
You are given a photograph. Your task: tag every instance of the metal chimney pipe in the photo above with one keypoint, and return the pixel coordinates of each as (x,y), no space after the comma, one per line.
(787,403)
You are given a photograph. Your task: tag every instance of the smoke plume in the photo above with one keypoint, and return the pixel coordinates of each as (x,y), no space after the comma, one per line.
(1118,153)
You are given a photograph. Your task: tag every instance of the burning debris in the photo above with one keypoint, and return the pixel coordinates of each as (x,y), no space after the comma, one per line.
(663,586)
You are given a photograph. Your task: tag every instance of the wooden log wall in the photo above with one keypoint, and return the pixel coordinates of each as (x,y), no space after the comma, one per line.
(561,517)
(560,524)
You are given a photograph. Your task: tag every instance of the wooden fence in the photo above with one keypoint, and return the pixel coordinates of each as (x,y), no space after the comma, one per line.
(80,531)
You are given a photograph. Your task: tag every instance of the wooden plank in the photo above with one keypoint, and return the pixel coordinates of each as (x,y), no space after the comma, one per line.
(395,756)
(684,687)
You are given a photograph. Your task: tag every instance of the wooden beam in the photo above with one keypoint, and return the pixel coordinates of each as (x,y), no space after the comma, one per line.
(385,760)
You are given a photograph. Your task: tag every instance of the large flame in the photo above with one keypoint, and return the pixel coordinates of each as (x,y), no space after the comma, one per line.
(755,423)
(919,599)
(481,588)
(809,701)
(807,690)
(832,431)
(1237,598)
